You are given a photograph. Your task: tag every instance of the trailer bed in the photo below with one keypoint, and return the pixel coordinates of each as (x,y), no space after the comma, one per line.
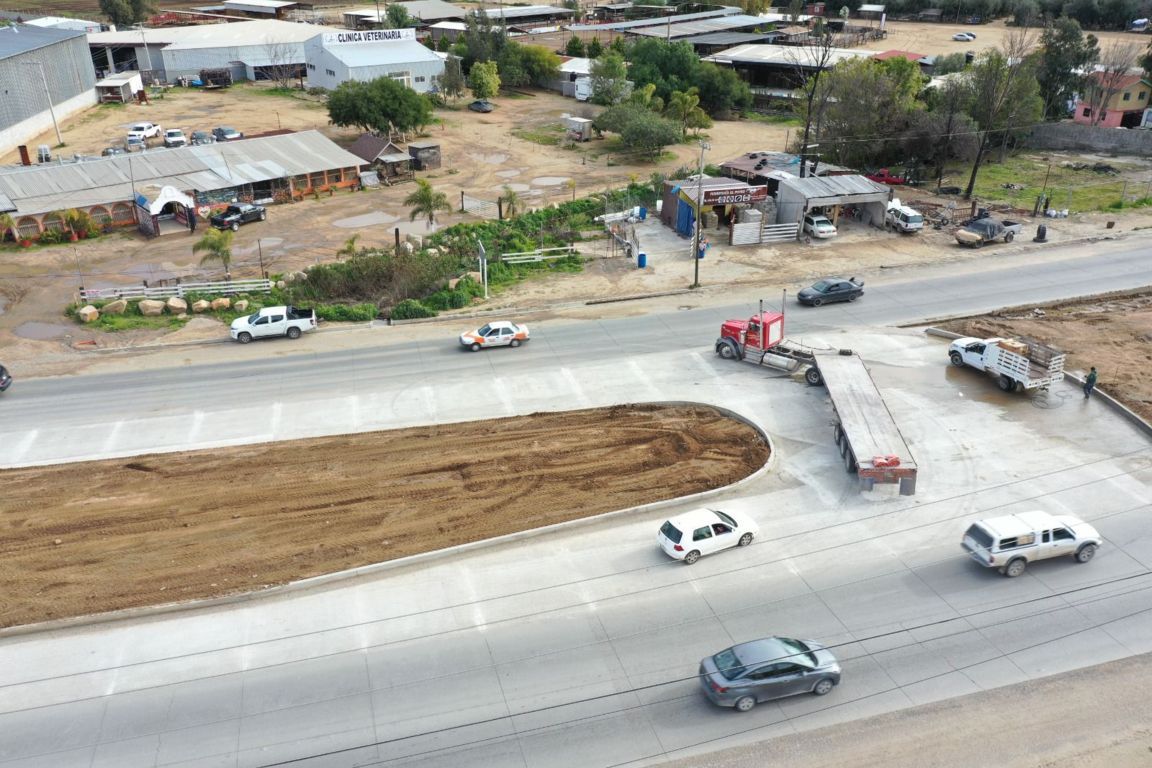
(865,422)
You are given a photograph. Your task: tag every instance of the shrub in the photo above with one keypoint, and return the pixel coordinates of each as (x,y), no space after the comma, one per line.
(346,313)
(410,309)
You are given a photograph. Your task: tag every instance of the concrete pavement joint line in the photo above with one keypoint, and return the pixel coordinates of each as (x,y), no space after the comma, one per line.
(1097,394)
(424,557)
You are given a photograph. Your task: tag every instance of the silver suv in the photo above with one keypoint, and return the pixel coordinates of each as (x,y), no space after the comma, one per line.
(1009,543)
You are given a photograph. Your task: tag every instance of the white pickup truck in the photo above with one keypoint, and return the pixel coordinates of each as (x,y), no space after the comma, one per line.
(1019,363)
(144,131)
(274,321)
(902,218)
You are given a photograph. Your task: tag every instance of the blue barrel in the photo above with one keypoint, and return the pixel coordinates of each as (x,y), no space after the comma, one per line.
(643,213)
(642,261)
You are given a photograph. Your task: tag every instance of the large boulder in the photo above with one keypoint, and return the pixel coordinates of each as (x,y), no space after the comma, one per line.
(151,307)
(200,305)
(176,305)
(88,314)
(221,303)
(115,307)
(241,306)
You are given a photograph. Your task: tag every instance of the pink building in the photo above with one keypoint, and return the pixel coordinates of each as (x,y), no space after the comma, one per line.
(1121,101)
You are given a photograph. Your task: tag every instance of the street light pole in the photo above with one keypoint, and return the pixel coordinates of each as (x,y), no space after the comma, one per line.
(699,210)
(48,95)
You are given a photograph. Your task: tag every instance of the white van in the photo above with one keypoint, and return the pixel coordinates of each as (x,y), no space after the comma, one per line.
(902,218)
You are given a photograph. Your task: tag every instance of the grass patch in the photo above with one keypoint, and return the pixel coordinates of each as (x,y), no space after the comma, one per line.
(126,322)
(546,135)
(790,121)
(1074,188)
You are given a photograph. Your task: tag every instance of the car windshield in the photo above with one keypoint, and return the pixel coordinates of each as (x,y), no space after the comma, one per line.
(671,532)
(728,664)
(980,536)
(253,318)
(483,331)
(822,287)
(227,130)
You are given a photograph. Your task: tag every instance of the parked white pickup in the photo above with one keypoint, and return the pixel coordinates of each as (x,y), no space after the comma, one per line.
(1018,363)
(274,321)
(145,131)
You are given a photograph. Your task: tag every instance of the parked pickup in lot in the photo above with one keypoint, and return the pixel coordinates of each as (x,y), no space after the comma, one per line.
(981,231)
(174,137)
(238,213)
(1016,363)
(274,321)
(144,131)
(1010,542)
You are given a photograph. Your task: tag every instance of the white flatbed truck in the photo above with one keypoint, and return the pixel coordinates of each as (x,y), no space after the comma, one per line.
(1018,364)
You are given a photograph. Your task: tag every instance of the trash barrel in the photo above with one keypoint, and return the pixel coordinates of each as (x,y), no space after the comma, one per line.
(643,213)
(642,261)
(1041,234)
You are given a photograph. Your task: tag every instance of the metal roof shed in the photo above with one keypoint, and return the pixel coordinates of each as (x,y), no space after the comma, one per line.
(796,197)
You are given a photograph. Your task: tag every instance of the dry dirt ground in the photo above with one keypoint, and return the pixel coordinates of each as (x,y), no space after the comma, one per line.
(1114,334)
(81,539)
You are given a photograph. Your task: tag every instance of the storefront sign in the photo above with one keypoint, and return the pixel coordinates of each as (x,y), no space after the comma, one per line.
(735,196)
(369,36)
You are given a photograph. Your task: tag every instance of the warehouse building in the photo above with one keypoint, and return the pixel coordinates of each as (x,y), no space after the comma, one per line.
(427,12)
(45,77)
(337,57)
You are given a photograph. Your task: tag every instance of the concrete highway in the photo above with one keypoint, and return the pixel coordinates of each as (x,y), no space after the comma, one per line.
(579,647)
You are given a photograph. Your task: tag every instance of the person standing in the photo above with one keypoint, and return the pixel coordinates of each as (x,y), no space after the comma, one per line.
(1089,382)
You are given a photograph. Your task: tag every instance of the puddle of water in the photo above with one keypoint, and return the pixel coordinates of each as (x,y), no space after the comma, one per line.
(508,174)
(366,220)
(513,187)
(549,181)
(42,331)
(493,159)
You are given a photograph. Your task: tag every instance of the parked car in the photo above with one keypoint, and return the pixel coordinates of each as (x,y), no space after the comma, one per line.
(238,213)
(885,176)
(986,230)
(1010,542)
(202,137)
(273,321)
(5,379)
(819,226)
(135,144)
(701,532)
(963,37)
(481,105)
(145,131)
(225,133)
(110,151)
(760,670)
(499,333)
(831,289)
(174,137)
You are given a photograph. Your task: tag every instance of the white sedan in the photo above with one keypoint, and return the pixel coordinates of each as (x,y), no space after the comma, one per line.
(963,37)
(499,333)
(701,532)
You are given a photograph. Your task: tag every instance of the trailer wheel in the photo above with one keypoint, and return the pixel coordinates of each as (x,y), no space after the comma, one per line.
(838,433)
(957,359)
(726,351)
(1008,236)
(1007,383)
(849,462)
(813,377)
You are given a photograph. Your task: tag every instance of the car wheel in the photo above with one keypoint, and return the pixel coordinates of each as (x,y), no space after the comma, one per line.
(1007,383)
(235,226)
(293,332)
(1008,237)
(745,703)
(957,359)
(746,539)
(813,377)
(474,346)
(1015,568)
(817,302)
(824,686)
(244,338)
(726,351)
(853,296)
(1085,553)
(514,343)
(263,215)
(692,557)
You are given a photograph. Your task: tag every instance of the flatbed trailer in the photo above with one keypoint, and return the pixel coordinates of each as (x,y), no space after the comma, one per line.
(870,443)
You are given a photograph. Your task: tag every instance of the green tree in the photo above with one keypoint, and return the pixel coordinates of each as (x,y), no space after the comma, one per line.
(382,106)
(484,80)
(609,79)
(444,45)
(482,41)
(452,81)
(722,92)
(617,117)
(943,132)
(594,48)
(649,133)
(397,17)
(683,108)
(1065,54)
(124,13)
(426,201)
(949,63)
(216,245)
(7,227)
(575,47)
(668,66)
(645,96)
(512,201)
(537,64)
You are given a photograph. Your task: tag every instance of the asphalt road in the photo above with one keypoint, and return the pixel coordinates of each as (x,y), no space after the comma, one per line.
(579,647)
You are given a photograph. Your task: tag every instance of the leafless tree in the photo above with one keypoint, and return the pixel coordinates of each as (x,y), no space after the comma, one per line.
(281,68)
(809,62)
(1107,80)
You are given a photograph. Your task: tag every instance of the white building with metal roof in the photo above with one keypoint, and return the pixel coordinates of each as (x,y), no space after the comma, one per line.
(364,55)
(425,11)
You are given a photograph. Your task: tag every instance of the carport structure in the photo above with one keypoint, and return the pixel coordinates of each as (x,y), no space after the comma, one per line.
(830,194)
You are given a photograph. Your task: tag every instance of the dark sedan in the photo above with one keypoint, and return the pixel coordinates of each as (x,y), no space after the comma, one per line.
(238,213)
(5,378)
(225,133)
(761,670)
(480,105)
(831,289)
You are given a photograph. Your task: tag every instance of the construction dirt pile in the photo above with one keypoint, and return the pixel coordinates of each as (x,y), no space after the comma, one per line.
(93,537)
(1112,333)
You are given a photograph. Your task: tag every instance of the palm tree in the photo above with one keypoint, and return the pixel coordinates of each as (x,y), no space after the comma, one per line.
(7,226)
(217,245)
(512,202)
(425,201)
(681,106)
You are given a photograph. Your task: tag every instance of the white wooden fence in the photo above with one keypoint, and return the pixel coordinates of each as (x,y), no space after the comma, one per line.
(541,254)
(229,287)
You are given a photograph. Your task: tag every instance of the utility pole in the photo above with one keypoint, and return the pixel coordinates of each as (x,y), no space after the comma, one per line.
(48,95)
(483,255)
(699,217)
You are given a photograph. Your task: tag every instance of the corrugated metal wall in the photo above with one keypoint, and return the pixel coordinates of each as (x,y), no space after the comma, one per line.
(67,68)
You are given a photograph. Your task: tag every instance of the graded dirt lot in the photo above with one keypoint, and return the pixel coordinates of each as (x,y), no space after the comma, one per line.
(1114,334)
(80,539)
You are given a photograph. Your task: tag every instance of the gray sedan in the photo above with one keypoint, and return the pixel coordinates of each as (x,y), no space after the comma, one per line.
(772,668)
(831,289)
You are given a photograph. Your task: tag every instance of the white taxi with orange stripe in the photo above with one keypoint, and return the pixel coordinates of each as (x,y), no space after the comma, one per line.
(499,333)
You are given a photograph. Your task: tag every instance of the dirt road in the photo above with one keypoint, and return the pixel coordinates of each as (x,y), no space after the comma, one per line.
(81,539)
